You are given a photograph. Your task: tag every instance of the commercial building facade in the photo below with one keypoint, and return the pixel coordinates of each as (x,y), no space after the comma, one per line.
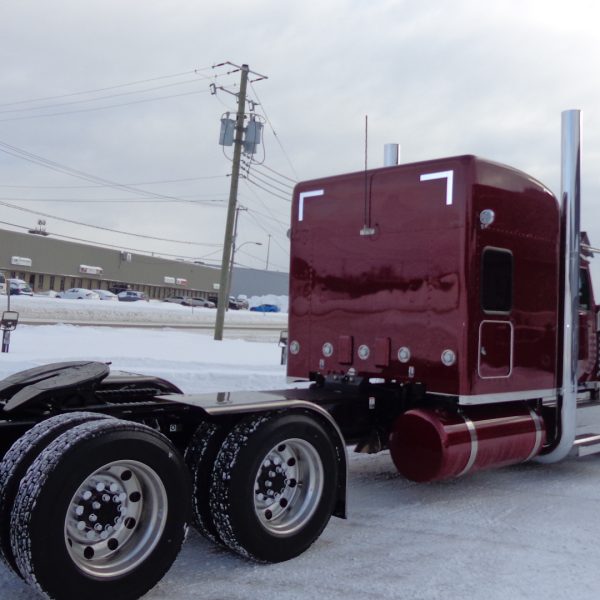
(47,263)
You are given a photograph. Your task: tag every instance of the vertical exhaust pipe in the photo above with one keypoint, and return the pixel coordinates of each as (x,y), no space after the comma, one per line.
(570,225)
(391,155)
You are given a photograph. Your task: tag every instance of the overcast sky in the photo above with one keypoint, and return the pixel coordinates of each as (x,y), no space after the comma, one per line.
(441,78)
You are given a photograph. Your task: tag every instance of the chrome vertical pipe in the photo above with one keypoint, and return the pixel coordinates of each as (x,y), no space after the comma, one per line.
(391,155)
(570,225)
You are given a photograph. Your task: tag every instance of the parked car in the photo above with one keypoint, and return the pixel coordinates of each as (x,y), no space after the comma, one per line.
(48,294)
(78,294)
(242,302)
(175,299)
(18,287)
(198,302)
(131,296)
(271,308)
(106,295)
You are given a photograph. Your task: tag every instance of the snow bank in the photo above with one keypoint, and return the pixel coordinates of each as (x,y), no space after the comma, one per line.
(155,313)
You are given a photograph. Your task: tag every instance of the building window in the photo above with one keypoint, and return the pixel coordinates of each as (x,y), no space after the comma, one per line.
(40,282)
(496,280)
(51,286)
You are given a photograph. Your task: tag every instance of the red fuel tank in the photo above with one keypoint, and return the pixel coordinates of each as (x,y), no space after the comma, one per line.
(432,444)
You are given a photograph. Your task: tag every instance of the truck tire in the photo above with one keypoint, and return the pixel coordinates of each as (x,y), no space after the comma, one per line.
(274,485)
(17,460)
(200,457)
(101,513)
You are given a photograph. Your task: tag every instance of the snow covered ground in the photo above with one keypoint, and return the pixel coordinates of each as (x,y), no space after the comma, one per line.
(525,532)
(38,309)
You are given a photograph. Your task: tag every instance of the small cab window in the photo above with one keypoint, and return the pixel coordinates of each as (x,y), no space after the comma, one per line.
(496,280)
(584,289)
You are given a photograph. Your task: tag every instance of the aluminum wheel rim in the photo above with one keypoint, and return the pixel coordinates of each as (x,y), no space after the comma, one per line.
(288,487)
(115,519)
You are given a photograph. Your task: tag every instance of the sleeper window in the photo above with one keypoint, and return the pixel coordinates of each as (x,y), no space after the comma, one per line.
(496,280)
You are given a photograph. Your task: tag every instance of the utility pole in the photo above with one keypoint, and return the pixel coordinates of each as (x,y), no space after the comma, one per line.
(234,241)
(268,250)
(235,174)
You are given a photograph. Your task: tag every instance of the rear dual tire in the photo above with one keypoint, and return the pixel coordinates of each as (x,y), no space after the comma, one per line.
(102,513)
(274,486)
(18,459)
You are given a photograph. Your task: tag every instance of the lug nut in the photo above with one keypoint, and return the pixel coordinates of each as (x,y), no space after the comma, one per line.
(105,498)
(92,518)
(79,510)
(96,505)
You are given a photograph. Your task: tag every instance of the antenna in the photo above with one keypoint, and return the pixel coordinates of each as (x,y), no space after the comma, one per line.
(367,229)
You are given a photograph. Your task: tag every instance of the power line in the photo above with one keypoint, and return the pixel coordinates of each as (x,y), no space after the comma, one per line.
(81,187)
(274,132)
(257,168)
(249,180)
(270,185)
(265,216)
(262,202)
(129,233)
(66,170)
(104,244)
(96,99)
(274,237)
(294,181)
(105,89)
(83,110)
(197,202)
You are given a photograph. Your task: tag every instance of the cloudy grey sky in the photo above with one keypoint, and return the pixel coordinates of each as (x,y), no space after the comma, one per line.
(439,77)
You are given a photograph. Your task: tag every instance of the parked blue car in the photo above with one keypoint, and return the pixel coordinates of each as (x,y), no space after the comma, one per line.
(265,308)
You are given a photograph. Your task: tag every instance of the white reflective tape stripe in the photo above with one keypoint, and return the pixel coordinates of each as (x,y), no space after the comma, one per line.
(474,445)
(448,176)
(304,195)
(538,434)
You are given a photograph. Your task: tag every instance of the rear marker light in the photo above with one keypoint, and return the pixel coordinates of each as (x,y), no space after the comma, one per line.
(448,357)
(327,349)
(363,352)
(404,354)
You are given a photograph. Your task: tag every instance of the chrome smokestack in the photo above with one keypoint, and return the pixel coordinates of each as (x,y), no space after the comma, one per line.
(570,225)
(391,155)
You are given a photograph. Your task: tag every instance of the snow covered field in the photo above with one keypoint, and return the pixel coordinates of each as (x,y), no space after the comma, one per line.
(525,532)
(38,309)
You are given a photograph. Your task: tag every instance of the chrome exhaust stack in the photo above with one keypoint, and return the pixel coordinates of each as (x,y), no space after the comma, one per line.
(570,247)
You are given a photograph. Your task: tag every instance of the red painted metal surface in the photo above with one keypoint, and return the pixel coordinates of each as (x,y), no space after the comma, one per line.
(416,279)
(428,445)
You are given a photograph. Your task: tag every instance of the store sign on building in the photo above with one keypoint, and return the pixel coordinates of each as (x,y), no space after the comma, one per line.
(88,270)
(21,261)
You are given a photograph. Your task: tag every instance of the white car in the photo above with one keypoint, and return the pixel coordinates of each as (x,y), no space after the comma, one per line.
(79,294)
(106,295)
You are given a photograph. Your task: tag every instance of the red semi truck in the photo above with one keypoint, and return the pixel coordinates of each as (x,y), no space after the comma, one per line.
(441,310)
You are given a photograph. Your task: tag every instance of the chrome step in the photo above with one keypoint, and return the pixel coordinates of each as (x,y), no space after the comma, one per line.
(587,444)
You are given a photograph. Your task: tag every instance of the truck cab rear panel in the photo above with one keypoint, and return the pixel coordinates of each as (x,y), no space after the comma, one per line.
(442,272)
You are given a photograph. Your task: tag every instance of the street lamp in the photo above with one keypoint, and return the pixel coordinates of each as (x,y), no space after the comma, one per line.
(233,251)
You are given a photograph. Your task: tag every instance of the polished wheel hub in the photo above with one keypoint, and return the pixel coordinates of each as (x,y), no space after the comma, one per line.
(288,486)
(115,518)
